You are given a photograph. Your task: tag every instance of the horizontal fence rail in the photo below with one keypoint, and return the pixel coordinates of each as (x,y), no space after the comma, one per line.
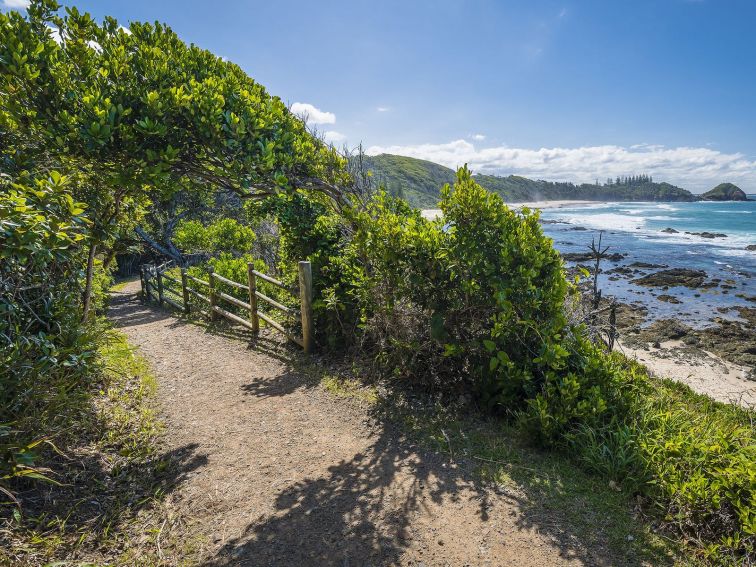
(155,282)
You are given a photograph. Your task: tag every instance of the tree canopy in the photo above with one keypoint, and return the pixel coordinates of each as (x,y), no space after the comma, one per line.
(144,108)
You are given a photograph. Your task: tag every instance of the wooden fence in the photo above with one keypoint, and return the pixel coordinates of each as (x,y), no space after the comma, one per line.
(155,282)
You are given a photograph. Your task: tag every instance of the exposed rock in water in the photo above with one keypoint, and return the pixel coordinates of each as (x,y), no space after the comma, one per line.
(664,330)
(670,230)
(751,247)
(734,341)
(708,234)
(588,257)
(668,298)
(631,316)
(646,265)
(673,277)
(624,270)
(578,228)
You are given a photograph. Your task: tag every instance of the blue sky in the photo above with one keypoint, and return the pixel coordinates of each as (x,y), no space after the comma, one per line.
(572,90)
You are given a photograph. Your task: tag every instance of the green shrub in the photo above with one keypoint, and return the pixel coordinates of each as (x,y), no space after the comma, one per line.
(44,348)
(311,229)
(223,236)
(475,303)
(700,456)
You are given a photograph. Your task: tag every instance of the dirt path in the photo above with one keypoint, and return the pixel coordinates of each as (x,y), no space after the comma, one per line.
(279,472)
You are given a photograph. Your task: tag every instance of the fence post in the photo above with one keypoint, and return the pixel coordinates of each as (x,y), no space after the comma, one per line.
(184,291)
(252,282)
(160,286)
(147,283)
(142,296)
(213,299)
(305,296)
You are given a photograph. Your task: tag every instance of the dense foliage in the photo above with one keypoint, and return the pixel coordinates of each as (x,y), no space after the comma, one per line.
(42,347)
(471,306)
(418,182)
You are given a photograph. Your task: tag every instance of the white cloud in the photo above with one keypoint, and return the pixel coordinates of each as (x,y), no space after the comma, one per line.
(312,114)
(333,137)
(478,137)
(383,109)
(23,4)
(125,30)
(696,169)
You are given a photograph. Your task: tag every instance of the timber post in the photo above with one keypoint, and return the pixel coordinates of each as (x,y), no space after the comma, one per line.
(147,282)
(305,296)
(184,290)
(252,282)
(142,295)
(160,286)
(213,297)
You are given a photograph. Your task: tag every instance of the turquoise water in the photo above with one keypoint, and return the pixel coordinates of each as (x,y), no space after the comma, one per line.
(636,229)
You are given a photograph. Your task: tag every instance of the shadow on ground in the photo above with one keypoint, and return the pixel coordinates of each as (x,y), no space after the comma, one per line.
(364,510)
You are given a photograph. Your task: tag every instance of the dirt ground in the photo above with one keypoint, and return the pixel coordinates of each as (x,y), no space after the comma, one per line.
(277,471)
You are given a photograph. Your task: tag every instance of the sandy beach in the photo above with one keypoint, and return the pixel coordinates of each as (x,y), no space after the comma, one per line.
(705,372)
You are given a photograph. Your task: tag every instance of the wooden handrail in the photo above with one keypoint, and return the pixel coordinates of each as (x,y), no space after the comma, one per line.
(172,303)
(170,279)
(198,294)
(230,282)
(232,299)
(231,316)
(276,325)
(154,279)
(274,303)
(199,281)
(269,279)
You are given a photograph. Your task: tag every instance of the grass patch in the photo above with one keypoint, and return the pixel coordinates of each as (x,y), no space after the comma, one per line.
(107,503)
(342,387)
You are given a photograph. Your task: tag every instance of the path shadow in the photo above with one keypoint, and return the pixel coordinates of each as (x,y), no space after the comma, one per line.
(362,510)
(126,310)
(359,513)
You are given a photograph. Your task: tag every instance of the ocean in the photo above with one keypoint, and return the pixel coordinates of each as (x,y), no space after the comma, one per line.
(638,230)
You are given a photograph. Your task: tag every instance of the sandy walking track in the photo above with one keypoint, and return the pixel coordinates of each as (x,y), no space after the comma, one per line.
(273,470)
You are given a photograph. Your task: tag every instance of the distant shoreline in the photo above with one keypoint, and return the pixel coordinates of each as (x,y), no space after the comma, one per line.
(558,204)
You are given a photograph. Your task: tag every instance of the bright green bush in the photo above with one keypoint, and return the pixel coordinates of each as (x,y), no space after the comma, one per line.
(223,236)
(311,229)
(44,348)
(474,303)
(700,458)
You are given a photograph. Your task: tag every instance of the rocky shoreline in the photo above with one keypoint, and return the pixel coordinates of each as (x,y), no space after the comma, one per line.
(717,358)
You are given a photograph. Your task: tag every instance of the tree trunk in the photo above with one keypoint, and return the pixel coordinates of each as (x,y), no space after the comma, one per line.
(109,257)
(162,249)
(88,286)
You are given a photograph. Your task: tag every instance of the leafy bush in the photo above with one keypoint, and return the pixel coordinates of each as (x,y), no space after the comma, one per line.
(223,236)
(43,345)
(699,456)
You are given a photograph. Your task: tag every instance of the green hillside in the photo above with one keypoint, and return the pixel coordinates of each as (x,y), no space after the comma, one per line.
(416,180)
(419,182)
(725,192)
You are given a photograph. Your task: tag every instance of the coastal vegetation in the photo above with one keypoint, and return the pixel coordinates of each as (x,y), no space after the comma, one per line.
(112,139)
